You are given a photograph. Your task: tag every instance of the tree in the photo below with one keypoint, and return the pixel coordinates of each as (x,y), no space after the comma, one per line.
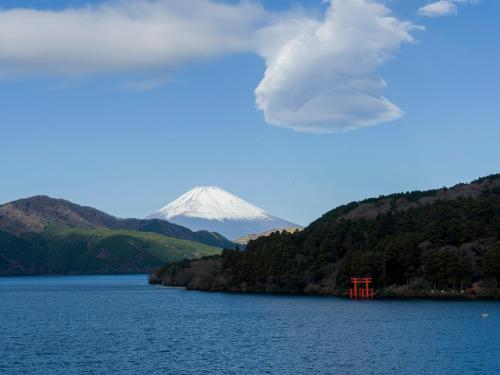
(448,267)
(491,266)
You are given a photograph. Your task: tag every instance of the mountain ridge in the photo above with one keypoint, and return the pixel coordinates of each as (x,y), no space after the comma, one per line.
(33,214)
(253,236)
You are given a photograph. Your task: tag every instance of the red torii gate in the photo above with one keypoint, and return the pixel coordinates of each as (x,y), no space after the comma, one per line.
(360,292)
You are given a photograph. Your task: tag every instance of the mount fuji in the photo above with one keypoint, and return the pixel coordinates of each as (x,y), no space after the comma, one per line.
(214,209)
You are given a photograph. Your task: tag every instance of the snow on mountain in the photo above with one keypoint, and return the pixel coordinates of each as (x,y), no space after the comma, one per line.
(214,209)
(212,203)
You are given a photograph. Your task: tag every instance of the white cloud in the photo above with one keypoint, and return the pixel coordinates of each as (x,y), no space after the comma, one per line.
(443,7)
(123,35)
(321,71)
(324,79)
(438,9)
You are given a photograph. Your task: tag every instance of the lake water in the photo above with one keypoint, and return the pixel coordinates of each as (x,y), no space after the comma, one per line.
(119,324)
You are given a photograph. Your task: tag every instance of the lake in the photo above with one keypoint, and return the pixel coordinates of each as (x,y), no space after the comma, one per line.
(120,324)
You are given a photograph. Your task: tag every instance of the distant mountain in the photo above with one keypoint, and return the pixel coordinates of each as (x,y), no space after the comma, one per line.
(436,243)
(42,235)
(214,209)
(253,236)
(35,213)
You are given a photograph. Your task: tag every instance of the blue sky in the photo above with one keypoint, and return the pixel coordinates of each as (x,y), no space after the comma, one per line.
(129,142)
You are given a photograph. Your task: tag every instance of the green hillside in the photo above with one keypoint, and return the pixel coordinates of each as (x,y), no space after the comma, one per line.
(35,214)
(59,250)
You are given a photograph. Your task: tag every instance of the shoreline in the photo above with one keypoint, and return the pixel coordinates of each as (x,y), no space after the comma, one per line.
(75,274)
(382,297)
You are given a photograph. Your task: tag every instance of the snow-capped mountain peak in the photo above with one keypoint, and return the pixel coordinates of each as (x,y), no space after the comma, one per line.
(214,209)
(212,203)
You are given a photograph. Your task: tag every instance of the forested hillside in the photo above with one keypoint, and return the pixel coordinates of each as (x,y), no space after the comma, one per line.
(59,250)
(441,242)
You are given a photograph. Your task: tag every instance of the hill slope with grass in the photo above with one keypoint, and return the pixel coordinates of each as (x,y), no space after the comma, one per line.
(60,250)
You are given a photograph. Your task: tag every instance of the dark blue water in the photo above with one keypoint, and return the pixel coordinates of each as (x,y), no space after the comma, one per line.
(119,324)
